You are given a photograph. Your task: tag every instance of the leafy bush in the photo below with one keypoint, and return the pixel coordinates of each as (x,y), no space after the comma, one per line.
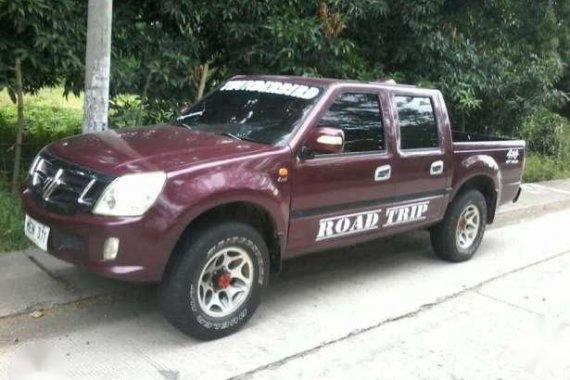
(42,123)
(544,133)
(127,111)
(553,163)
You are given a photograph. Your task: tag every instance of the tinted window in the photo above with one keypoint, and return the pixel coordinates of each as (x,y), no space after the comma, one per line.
(358,115)
(261,111)
(418,128)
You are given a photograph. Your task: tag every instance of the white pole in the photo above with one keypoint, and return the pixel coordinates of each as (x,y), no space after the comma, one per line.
(97,65)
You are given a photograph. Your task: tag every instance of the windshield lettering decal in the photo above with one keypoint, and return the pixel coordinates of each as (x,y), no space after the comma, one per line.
(272,87)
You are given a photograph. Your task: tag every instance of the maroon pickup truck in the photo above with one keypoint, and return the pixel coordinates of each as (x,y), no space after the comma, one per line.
(263,169)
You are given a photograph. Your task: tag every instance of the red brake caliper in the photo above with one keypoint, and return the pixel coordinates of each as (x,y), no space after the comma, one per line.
(462,224)
(224,280)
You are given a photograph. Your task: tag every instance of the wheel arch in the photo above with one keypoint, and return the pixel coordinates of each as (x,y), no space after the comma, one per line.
(487,186)
(258,216)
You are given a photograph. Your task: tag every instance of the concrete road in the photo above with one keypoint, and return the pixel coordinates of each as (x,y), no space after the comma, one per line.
(384,310)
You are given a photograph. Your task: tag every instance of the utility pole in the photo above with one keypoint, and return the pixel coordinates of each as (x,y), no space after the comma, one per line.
(97,65)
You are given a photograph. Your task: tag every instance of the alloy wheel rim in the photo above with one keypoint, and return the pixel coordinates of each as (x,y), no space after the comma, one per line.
(468,227)
(225,282)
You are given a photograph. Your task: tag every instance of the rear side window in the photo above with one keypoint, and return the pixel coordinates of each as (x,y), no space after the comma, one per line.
(418,128)
(358,115)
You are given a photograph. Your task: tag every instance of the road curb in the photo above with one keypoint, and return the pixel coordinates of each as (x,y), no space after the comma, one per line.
(516,215)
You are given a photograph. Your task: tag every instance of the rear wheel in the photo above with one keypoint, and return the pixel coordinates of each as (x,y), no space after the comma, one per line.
(460,233)
(215,284)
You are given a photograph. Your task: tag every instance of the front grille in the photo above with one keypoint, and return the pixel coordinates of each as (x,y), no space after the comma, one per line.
(65,187)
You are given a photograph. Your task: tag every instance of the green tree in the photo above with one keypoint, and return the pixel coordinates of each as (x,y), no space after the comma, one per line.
(563,33)
(496,61)
(161,48)
(40,45)
(48,37)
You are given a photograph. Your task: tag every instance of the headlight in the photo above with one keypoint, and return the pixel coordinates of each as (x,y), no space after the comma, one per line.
(131,194)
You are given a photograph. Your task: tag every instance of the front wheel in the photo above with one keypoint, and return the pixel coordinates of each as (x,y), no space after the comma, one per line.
(215,283)
(458,236)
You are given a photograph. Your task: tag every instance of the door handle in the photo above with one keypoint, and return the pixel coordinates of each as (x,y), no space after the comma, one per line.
(382,173)
(436,167)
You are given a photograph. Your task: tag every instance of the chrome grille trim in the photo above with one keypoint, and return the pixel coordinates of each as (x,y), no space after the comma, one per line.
(65,187)
(81,198)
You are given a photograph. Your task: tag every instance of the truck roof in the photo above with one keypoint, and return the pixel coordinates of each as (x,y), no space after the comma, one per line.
(321,82)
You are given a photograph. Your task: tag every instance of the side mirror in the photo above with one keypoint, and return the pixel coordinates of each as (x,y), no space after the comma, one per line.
(325,140)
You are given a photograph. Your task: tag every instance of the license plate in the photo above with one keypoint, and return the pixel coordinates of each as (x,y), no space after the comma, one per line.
(36,232)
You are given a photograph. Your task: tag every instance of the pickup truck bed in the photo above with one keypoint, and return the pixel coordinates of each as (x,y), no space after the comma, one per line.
(462,137)
(506,153)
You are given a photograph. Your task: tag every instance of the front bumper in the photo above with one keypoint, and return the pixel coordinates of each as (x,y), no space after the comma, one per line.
(144,246)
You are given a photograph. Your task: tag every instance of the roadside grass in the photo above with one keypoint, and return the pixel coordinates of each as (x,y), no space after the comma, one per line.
(11,222)
(47,114)
(544,168)
(46,97)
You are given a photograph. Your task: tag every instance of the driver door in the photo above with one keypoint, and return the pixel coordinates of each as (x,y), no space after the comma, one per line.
(336,198)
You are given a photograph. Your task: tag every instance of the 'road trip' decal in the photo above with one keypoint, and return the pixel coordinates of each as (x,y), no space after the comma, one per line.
(413,212)
(350,224)
(513,156)
(272,87)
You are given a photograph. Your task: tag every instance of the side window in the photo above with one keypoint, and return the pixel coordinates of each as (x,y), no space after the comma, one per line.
(358,115)
(418,128)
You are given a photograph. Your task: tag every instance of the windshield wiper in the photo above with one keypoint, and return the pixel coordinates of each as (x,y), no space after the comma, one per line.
(241,138)
(232,136)
(181,123)
(191,114)
(180,119)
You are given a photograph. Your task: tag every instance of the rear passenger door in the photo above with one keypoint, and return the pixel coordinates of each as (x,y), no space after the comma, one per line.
(336,198)
(421,163)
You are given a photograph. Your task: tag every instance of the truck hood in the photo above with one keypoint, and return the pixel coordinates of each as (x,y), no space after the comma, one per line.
(161,147)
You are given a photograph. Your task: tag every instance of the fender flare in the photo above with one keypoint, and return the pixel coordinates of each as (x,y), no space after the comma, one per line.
(480,165)
(277,213)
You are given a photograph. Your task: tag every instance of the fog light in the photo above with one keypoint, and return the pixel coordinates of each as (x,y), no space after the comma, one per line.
(110,249)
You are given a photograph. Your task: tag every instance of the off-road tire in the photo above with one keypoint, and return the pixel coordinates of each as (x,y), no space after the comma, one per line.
(444,239)
(179,289)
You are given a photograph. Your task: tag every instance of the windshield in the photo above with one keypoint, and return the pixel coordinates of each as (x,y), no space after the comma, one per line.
(256,110)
